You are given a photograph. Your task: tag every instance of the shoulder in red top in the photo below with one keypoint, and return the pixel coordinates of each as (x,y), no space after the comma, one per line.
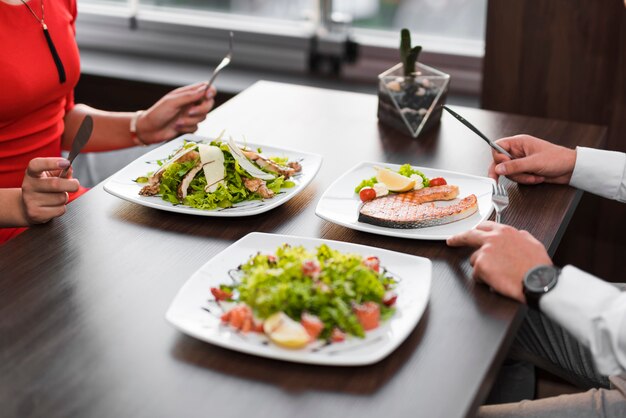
(33,102)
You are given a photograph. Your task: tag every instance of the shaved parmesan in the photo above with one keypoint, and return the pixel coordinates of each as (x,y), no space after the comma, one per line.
(246,164)
(212,160)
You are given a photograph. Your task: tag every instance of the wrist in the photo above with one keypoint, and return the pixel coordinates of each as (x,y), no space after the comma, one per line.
(12,210)
(538,281)
(135,130)
(570,156)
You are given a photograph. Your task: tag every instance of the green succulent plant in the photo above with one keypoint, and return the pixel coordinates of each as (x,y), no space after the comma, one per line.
(408,55)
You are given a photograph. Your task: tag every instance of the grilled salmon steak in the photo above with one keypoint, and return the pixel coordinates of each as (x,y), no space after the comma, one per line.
(416,209)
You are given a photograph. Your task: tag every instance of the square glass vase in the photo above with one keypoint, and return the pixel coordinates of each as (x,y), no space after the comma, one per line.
(412,104)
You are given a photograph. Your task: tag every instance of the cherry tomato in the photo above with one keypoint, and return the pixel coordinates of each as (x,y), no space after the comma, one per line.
(368,315)
(226,316)
(373,263)
(390,298)
(311,268)
(312,324)
(241,318)
(220,294)
(258,327)
(237,316)
(438,181)
(337,335)
(367,193)
(248,325)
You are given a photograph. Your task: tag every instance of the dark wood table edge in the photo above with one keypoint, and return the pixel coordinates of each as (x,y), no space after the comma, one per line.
(566,220)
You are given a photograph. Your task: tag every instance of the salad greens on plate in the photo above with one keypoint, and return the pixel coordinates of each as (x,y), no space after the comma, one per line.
(296,296)
(217,175)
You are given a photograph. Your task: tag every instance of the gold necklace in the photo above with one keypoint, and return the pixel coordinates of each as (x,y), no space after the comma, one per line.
(53,50)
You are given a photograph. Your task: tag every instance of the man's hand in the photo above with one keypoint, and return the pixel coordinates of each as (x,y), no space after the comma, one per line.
(44,194)
(503,256)
(178,112)
(536,161)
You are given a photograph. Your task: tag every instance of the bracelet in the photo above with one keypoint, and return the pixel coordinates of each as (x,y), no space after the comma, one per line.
(133,129)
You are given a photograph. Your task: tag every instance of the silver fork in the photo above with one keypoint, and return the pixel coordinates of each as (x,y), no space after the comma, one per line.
(224,63)
(500,200)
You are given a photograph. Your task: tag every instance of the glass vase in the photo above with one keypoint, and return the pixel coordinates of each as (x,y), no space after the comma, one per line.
(412,104)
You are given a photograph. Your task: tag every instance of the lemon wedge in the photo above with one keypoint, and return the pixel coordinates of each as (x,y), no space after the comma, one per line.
(395,182)
(285,332)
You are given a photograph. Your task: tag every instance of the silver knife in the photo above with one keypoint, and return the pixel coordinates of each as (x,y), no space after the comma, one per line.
(81,138)
(477,132)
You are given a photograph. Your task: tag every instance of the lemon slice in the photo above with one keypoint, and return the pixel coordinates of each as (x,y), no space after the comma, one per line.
(395,182)
(285,332)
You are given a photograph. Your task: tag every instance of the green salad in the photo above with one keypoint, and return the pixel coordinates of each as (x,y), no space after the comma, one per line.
(218,175)
(326,292)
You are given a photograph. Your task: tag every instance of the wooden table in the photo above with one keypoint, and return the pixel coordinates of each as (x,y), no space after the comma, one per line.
(83,298)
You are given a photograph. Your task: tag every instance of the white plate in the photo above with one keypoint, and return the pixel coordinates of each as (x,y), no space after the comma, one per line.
(340,204)
(188,312)
(121,184)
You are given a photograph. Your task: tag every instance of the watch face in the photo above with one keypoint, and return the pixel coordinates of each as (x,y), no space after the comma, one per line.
(541,278)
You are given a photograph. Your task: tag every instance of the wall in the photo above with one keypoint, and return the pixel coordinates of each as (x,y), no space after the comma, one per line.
(566,59)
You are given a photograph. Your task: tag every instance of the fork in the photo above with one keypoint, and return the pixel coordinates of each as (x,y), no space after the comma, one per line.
(225,61)
(500,200)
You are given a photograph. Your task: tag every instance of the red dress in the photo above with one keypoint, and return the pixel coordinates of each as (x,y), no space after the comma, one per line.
(33,102)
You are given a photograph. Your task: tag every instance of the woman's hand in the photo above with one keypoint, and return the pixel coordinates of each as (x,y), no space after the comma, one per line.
(536,161)
(503,257)
(178,112)
(44,194)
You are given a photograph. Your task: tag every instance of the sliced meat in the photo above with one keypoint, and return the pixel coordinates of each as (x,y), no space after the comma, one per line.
(183,155)
(258,186)
(268,164)
(295,165)
(184,184)
(189,156)
(414,210)
(150,189)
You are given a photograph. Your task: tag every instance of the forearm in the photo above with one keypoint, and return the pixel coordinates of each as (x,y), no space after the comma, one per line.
(594,312)
(11,209)
(111,130)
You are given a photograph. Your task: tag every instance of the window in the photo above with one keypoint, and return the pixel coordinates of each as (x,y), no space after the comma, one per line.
(291,35)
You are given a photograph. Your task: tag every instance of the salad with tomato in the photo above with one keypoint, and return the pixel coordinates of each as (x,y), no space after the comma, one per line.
(296,296)
(389,181)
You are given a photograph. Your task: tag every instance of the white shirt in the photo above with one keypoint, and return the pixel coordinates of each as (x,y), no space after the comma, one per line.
(593,310)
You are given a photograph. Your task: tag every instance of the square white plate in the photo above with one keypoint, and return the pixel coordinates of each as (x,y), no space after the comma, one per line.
(122,184)
(195,312)
(340,204)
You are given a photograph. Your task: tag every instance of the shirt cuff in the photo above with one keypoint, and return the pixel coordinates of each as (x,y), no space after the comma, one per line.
(600,172)
(576,303)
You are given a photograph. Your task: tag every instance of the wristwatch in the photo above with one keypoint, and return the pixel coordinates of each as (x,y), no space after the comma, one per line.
(538,281)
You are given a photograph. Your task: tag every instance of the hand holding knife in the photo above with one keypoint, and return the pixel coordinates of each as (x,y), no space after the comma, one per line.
(491,143)
(81,138)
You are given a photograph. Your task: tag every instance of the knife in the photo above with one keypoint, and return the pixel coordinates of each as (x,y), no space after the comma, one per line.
(81,138)
(477,132)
